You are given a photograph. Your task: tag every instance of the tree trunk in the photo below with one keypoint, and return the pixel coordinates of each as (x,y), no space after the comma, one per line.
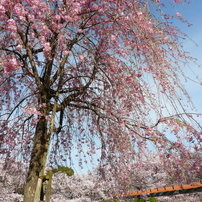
(48,188)
(37,163)
(42,194)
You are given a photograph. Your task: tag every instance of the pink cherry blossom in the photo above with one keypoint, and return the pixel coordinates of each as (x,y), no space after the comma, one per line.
(10,65)
(2,9)
(178,15)
(66,52)
(19,9)
(81,57)
(32,110)
(47,47)
(11,26)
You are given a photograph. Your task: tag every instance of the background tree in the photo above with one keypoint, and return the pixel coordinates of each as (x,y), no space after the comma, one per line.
(105,74)
(90,187)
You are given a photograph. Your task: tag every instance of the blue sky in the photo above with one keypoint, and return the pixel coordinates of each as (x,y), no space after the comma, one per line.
(193,14)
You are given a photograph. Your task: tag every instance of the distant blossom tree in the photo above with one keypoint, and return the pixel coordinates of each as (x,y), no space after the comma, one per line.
(92,75)
(90,187)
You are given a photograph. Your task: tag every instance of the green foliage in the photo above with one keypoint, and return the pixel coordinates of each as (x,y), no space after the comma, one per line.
(110,200)
(68,171)
(139,200)
(153,199)
(48,175)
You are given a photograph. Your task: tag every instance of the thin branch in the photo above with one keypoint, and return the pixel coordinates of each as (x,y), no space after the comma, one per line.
(30,55)
(19,105)
(21,58)
(83,89)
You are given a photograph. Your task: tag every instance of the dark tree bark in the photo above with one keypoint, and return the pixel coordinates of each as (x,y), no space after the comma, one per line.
(37,162)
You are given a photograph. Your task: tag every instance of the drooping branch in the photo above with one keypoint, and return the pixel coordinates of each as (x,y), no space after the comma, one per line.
(80,90)
(18,105)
